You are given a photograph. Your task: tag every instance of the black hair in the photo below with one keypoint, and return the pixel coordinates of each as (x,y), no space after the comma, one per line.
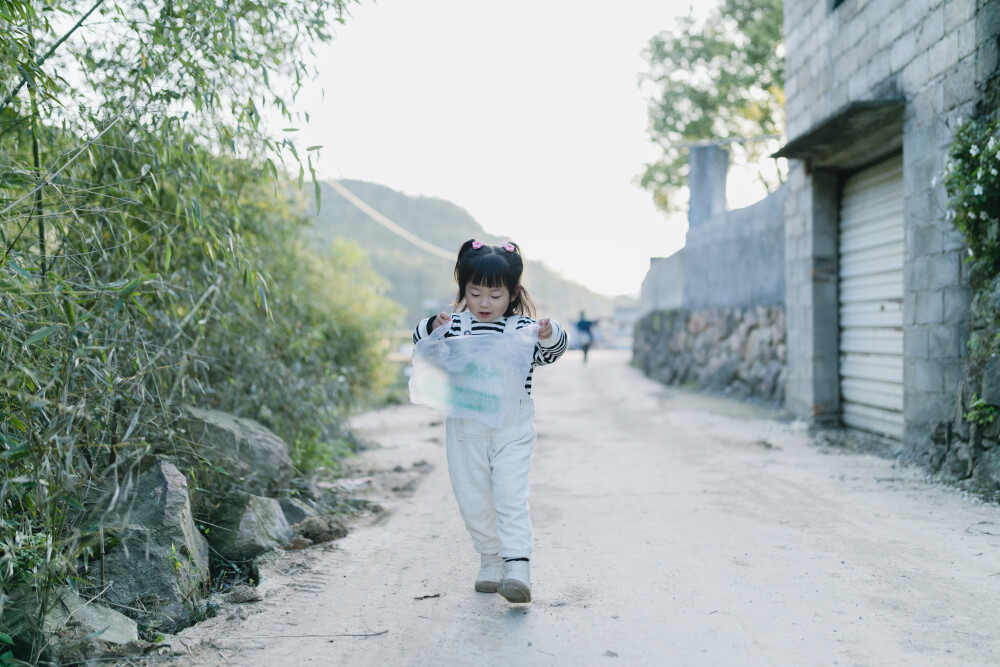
(493,266)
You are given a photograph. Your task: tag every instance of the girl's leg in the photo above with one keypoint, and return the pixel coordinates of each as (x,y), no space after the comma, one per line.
(512,445)
(467,444)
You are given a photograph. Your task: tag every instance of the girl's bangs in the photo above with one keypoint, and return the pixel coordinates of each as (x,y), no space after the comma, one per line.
(490,271)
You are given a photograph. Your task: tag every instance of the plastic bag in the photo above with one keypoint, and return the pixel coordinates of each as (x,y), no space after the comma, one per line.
(472,377)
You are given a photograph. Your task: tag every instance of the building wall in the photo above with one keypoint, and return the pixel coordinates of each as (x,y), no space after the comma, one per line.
(714,314)
(934,55)
(736,258)
(663,286)
(732,258)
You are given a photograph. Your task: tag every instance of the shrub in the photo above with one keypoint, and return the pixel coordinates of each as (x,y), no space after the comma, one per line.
(972,180)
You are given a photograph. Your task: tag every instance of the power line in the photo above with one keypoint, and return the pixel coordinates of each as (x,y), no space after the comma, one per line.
(389,224)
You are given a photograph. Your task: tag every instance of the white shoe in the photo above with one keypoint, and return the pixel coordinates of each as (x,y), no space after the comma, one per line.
(516,584)
(490,573)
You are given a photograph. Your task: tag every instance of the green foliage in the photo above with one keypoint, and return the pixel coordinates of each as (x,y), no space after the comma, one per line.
(980,412)
(150,257)
(721,78)
(972,179)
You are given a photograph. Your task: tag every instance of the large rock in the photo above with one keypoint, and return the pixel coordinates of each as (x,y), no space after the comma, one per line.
(991,382)
(987,473)
(161,561)
(69,614)
(295,510)
(255,460)
(247,526)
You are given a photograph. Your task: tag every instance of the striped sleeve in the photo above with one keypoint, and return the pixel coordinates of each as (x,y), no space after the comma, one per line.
(548,351)
(422,332)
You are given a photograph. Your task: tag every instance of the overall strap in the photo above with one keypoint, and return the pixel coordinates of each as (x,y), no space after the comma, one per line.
(465,317)
(510,326)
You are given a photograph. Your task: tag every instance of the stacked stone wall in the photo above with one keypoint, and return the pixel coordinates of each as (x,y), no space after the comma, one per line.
(735,351)
(966,447)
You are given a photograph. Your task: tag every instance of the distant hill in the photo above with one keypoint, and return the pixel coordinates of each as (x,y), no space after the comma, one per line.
(418,280)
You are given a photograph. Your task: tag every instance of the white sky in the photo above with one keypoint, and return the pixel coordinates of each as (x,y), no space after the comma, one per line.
(526,113)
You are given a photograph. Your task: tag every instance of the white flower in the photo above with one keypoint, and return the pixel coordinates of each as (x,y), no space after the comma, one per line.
(974,150)
(993,171)
(991,143)
(978,190)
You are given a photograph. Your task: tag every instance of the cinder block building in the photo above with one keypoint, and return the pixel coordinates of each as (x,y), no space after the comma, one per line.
(876,300)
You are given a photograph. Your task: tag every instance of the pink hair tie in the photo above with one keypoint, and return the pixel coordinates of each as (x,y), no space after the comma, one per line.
(476,245)
(509,247)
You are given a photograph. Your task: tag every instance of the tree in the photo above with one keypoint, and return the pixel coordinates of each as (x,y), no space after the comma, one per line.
(150,257)
(720,79)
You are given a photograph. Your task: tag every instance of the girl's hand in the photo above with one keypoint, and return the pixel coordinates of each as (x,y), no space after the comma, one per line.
(441,320)
(544,328)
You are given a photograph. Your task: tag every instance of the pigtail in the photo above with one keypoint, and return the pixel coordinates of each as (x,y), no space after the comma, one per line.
(463,253)
(522,304)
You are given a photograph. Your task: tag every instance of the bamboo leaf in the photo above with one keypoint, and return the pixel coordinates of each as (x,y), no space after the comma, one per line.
(42,334)
(131,287)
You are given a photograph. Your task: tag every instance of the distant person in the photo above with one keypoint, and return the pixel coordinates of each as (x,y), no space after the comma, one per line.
(585,328)
(489,466)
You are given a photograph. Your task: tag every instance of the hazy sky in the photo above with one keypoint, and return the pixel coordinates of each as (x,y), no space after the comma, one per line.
(528,114)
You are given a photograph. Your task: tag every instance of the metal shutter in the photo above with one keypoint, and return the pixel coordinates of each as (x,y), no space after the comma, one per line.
(871,299)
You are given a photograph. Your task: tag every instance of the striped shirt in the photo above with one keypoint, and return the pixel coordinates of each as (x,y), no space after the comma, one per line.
(546,353)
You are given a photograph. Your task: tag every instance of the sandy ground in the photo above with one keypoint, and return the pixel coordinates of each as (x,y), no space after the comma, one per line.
(670,529)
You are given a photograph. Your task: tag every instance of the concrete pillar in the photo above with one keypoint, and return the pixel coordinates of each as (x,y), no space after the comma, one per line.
(813,385)
(707,182)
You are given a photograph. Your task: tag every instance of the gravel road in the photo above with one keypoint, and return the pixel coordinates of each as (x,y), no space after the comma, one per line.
(671,529)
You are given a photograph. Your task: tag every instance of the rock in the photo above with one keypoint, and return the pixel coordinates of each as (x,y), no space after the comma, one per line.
(298,542)
(247,526)
(161,560)
(241,594)
(295,510)
(255,460)
(70,613)
(936,456)
(323,528)
(987,474)
(720,374)
(990,391)
(959,461)
(760,343)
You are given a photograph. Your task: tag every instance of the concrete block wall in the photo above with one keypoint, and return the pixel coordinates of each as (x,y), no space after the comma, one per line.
(731,258)
(737,257)
(934,54)
(663,286)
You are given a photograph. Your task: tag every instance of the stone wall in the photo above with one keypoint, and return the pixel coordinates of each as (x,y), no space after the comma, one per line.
(736,351)
(931,57)
(966,447)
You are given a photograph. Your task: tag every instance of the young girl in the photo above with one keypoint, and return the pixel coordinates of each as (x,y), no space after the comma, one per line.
(489,466)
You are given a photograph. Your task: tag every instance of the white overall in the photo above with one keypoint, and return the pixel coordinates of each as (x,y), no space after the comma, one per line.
(489,474)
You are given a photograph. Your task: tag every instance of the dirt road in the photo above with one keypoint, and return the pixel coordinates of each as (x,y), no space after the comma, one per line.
(670,529)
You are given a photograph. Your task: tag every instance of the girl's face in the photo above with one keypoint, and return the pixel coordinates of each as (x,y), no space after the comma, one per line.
(487,303)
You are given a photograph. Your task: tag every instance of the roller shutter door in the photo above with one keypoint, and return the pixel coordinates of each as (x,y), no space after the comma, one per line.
(871,299)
